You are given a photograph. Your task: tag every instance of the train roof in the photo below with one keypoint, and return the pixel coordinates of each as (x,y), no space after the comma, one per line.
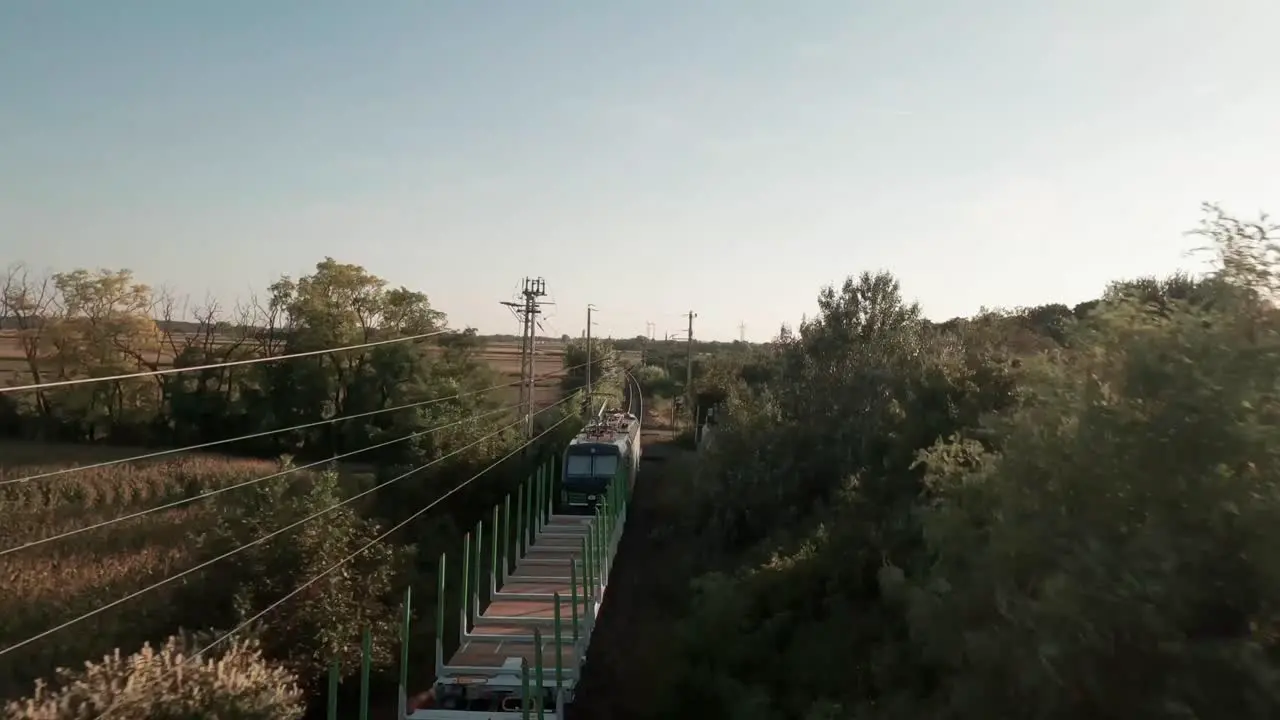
(613,427)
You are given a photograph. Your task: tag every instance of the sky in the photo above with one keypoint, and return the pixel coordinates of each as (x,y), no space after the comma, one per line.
(653,157)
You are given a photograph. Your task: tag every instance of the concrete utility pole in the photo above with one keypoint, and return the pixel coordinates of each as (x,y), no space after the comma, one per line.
(590,308)
(527,311)
(688,367)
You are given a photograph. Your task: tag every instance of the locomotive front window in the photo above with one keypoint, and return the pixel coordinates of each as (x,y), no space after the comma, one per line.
(606,465)
(578,465)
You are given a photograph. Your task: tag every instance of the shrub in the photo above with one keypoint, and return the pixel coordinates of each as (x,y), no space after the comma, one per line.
(164,684)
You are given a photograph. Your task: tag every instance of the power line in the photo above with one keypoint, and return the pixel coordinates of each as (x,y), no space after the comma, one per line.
(215,366)
(275,533)
(246,483)
(371,543)
(266,433)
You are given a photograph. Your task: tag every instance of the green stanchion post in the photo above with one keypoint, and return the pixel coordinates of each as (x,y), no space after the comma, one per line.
(593,545)
(587,569)
(524,689)
(573,601)
(539,692)
(553,491)
(404,641)
(334,674)
(605,550)
(609,502)
(602,575)
(506,536)
(606,538)
(440,603)
(611,509)
(530,522)
(520,536)
(549,500)
(465,595)
(540,498)
(493,555)
(366,661)
(559,639)
(479,576)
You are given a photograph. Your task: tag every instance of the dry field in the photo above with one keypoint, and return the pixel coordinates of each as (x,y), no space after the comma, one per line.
(50,583)
(11,362)
(504,357)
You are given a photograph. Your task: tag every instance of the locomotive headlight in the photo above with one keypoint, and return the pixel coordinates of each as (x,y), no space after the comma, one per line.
(591,497)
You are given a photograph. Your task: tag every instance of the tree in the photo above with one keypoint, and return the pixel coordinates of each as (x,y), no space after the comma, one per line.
(1044,513)
(654,381)
(325,621)
(1113,558)
(25,303)
(606,370)
(102,327)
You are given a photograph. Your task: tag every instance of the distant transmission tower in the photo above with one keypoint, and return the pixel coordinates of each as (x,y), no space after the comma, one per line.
(742,331)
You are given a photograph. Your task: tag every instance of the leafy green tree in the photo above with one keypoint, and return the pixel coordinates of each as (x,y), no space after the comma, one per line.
(325,620)
(1043,513)
(1113,559)
(606,370)
(654,381)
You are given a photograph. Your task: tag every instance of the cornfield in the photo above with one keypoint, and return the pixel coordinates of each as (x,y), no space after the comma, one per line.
(45,585)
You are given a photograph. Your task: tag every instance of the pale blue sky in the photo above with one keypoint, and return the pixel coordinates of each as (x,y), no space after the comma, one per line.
(734,156)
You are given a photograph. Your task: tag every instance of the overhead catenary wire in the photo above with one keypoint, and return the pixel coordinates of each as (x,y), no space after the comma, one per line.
(326,572)
(268,433)
(276,533)
(215,366)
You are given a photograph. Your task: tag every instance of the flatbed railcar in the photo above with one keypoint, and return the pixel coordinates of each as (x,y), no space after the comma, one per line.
(525,630)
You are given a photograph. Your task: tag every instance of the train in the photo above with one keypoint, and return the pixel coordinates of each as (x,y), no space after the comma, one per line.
(525,632)
(606,449)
